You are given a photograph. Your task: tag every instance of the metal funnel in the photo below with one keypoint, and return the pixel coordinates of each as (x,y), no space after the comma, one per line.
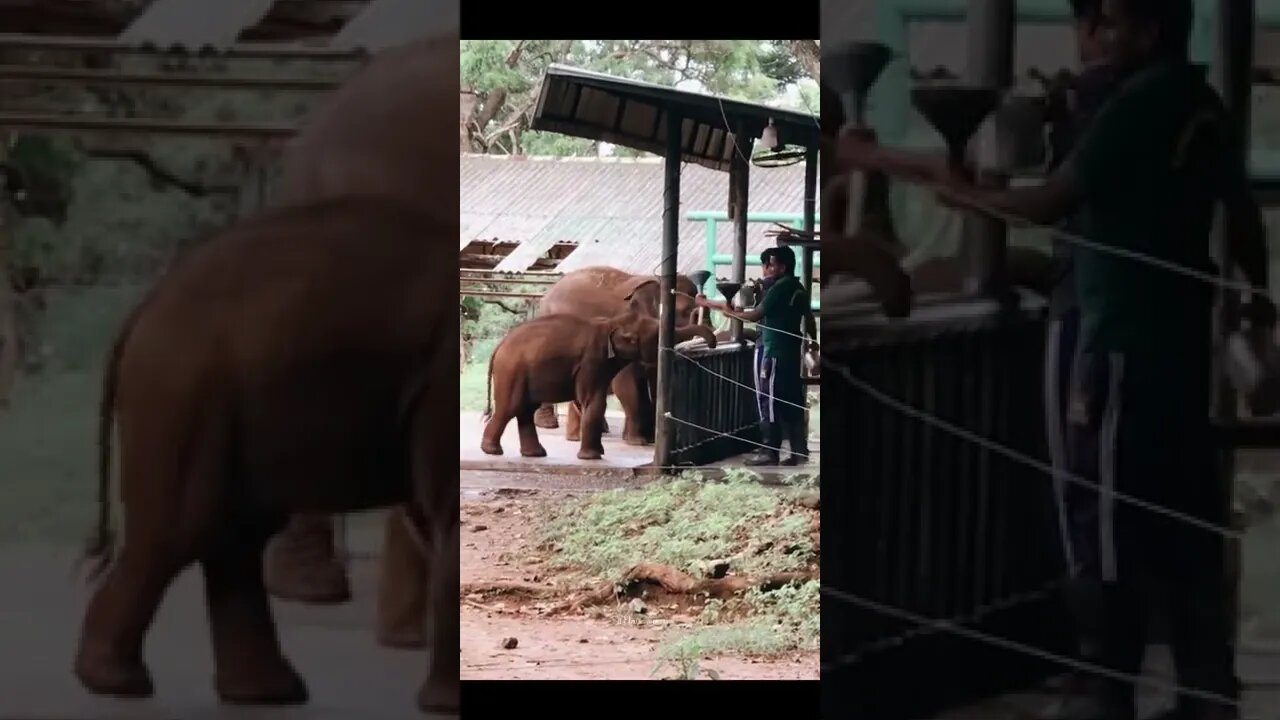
(955,111)
(729,289)
(851,70)
(700,278)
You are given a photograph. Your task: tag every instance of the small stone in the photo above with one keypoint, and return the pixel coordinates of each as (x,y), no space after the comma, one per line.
(479,528)
(582,640)
(509,643)
(499,509)
(638,606)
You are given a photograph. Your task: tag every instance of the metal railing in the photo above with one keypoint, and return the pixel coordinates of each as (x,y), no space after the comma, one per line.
(936,525)
(707,400)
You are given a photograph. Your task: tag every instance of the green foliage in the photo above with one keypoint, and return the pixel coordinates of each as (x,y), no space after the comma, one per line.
(684,523)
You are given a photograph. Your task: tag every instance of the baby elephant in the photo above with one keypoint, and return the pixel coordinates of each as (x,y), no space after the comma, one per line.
(559,358)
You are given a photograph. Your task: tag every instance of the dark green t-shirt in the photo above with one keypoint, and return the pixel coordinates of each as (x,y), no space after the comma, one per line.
(1151,167)
(783,307)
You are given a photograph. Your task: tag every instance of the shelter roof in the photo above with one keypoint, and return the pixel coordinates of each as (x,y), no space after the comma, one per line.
(607,108)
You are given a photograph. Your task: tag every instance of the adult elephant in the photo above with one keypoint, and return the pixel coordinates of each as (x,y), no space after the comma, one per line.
(381,133)
(250,385)
(606,292)
(559,357)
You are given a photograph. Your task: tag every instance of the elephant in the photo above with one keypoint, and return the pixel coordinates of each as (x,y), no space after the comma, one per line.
(606,292)
(562,357)
(249,385)
(380,133)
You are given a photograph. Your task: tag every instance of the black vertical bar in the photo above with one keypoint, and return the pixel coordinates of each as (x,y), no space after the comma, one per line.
(1235,58)
(992,31)
(667,316)
(810,212)
(740,177)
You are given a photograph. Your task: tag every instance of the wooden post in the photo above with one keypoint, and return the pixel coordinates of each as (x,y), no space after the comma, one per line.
(1233,70)
(665,431)
(9,351)
(740,189)
(991,38)
(810,212)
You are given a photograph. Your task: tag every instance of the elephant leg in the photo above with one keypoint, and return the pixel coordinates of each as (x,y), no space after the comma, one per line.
(529,445)
(573,422)
(631,389)
(435,483)
(545,417)
(592,415)
(181,476)
(491,441)
(251,668)
(109,661)
(402,584)
(441,692)
(302,565)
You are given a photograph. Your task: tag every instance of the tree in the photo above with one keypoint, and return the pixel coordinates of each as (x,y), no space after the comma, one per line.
(505,75)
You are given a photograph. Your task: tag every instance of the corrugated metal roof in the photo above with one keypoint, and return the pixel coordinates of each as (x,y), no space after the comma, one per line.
(611,207)
(195,24)
(388,23)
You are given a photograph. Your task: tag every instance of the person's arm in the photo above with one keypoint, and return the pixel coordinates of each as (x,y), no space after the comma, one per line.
(1045,204)
(858,150)
(810,322)
(752,315)
(1249,239)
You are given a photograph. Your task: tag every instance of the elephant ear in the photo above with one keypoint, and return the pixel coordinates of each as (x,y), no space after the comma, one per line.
(629,288)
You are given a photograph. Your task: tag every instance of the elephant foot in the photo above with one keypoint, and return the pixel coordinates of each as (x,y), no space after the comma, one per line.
(637,440)
(546,419)
(590,454)
(112,676)
(573,436)
(274,683)
(440,696)
(535,451)
(491,448)
(301,564)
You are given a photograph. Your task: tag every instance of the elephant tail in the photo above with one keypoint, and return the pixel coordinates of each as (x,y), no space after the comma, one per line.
(101,546)
(488,390)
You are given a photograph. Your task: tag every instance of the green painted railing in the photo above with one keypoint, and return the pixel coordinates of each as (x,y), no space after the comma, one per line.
(713,218)
(889,101)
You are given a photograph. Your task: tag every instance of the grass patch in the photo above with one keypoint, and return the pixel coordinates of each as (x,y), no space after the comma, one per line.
(687,522)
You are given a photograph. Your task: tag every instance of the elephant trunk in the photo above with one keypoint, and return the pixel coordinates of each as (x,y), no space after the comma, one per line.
(689,332)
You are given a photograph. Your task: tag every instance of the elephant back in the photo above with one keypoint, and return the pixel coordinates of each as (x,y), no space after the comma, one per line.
(382,133)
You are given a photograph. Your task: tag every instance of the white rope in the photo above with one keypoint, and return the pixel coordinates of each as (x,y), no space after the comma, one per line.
(1005,643)
(726,378)
(669,416)
(969,618)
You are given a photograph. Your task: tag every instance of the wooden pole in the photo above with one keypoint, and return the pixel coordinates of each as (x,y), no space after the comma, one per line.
(664,429)
(740,187)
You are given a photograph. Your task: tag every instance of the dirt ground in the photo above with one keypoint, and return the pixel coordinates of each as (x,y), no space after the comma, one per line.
(499,548)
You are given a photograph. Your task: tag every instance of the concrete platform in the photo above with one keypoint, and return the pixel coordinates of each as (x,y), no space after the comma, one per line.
(620,459)
(562,455)
(348,674)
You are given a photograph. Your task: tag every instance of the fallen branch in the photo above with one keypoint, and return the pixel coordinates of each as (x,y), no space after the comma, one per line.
(506,587)
(680,583)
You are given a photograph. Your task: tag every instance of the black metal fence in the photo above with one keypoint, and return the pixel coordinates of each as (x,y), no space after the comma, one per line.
(711,402)
(930,522)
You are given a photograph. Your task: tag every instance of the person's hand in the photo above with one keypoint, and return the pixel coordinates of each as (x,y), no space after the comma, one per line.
(953,189)
(855,149)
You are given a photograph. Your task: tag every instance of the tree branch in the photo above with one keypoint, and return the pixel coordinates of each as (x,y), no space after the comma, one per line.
(156,172)
(809,57)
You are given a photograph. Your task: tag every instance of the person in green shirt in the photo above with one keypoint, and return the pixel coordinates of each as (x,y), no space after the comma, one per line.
(779,384)
(1145,177)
